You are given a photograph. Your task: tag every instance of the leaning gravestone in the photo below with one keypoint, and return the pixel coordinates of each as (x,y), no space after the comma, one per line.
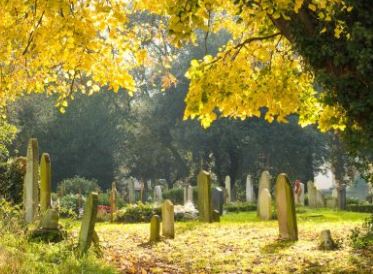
(287,220)
(168,219)
(87,232)
(250,195)
(311,194)
(45,183)
(265,205)
(204,197)
(264,183)
(131,191)
(155,225)
(218,199)
(228,188)
(320,200)
(31,186)
(158,194)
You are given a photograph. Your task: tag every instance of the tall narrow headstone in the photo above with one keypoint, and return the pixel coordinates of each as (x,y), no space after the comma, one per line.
(131,191)
(320,200)
(45,183)
(188,194)
(342,198)
(113,200)
(311,194)
(155,228)
(228,188)
(158,194)
(265,205)
(286,216)
(218,199)
(250,196)
(88,223)
(168,219)
(264,182)
(301,198)
(31,182)
(204,197)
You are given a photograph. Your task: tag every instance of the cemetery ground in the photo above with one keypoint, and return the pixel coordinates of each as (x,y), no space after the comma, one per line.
(240,243)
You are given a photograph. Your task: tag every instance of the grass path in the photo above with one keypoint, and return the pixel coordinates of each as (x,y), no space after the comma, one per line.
(240,243)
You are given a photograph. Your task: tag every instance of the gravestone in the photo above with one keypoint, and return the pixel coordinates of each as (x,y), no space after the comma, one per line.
(320,200)
(49,219)
(342,198)
(131,191)
(45,183)
(298,193)
(250,195)
(326,241)
(286,216)
(113,200)
(331,202)
(31,185)
(335,193)
(311,194)
(228,188)
(218,199)
(264,182)
(87,228)
(158,194)
(155,227)
(265,205)
(168,219)
(301,198)
(188,194)
(204,197)
(48,229)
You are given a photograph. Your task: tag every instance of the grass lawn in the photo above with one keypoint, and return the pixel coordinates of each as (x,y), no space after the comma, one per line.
(240,243)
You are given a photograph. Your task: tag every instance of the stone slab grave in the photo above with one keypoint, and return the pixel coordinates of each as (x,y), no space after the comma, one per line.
(204,197)
(45,182)
(264,182)
(250,195)
(155,227)
(31,185)
(311,188)
(168,219)
(228,188)
(285,205)
(48,229)
(218,199)
(320,200)
(265,205)
(87,230)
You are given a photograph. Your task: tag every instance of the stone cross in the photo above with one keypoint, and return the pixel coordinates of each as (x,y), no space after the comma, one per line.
(45,183)
(155,225)
(204,197)
(250,195)
(131,191)
(287,220)
(88,223)
(168,219)
(265,205)
(218,199)
(31,185)
(264,182)
(158,194)
(228,188)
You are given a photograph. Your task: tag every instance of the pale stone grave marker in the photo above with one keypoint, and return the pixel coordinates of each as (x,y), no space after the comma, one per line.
(168,219)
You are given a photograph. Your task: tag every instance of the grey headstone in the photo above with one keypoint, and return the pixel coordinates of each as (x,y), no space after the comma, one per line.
(218,199)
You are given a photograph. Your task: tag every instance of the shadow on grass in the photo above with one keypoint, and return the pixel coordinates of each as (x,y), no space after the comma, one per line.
(276,246)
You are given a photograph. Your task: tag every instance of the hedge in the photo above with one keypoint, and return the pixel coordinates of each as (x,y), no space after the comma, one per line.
(360,208)
(239,207)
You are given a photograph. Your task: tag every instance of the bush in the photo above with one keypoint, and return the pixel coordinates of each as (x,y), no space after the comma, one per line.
(239,207)
(77,185)
(136,213)
(69,205)
(360,208)
(11,179)
(351,201)
(362,238)
(104,199)
(11,217)
(176,195)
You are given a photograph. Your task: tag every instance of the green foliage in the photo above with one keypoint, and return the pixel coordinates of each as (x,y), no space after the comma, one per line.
(360,208)
(136,213)
(176,195)
(77,185)
(11,179)
(239,207)
(11,217)
(104,199)
(69,205)
(362,238)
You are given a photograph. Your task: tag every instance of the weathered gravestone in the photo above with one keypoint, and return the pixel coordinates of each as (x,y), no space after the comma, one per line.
(342,197)
(286,216)
(250,195)
(131,191)
(45,183)
(155,227)
(188,194)
(301,198)
(204,197)
(31,185)
(48,229)
(326,240)
(87,233)
(218,199)
(228,188)
(299,193)
(158,194)
(320,200)
(311,194)
(265,205)
(168,219)
(264,183)
(113,200)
